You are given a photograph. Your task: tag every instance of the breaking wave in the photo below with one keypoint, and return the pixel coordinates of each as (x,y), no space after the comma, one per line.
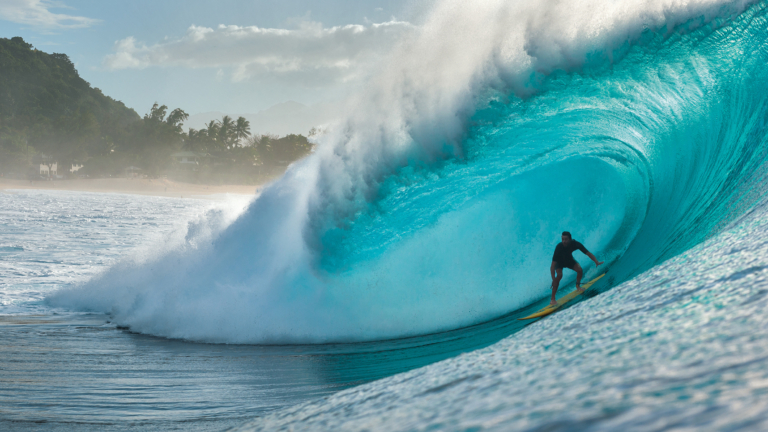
(436,204)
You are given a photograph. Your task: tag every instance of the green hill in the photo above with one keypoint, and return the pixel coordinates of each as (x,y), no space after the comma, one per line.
(47,108)
(48,114)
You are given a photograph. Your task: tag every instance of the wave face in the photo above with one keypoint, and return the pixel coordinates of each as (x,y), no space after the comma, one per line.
(638,126)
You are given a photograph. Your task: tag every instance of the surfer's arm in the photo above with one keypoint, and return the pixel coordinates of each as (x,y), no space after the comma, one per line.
(593,258)
(552,269)
(589,254)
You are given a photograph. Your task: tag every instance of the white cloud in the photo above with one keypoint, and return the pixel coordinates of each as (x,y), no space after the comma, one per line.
(36,13)
(312,54)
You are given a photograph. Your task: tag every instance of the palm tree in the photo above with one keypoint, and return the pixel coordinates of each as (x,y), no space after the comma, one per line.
(212,130)
(226,131)
(242,129)
(195,140)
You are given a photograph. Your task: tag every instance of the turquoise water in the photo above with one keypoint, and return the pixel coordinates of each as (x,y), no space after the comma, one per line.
(680,347)
(423,226)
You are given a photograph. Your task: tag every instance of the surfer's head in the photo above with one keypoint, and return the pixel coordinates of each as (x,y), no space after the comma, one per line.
(566,237)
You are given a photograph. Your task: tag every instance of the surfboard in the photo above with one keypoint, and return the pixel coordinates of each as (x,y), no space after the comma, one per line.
(563,300)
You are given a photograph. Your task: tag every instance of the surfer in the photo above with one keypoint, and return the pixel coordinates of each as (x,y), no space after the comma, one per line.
(563,258)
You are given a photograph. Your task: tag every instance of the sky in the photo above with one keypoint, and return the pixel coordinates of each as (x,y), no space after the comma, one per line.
(230,56)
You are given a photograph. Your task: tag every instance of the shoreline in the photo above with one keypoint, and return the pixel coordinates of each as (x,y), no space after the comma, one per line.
(154,187)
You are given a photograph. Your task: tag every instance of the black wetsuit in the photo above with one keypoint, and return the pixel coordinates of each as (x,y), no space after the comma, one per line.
(563,256)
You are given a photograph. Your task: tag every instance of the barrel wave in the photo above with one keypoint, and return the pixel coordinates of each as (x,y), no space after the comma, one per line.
(436,204)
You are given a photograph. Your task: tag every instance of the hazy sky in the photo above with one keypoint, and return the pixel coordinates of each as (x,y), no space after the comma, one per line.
(233,56)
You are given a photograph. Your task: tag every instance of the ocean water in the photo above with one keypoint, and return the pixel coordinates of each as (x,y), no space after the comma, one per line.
(55,239)
(387,269)
(64,369)
(680,347)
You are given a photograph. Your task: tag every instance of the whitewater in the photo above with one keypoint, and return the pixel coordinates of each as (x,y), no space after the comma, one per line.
(423,225)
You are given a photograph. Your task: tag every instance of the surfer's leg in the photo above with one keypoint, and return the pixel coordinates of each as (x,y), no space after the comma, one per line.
(579,273)
(555,285)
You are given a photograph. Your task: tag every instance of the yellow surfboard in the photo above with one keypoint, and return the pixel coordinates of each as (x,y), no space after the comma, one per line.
(563,300)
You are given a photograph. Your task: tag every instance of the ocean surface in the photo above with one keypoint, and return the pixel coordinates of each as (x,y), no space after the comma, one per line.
(378,283)
(64,369)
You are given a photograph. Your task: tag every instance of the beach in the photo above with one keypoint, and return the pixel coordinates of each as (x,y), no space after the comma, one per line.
(153,187)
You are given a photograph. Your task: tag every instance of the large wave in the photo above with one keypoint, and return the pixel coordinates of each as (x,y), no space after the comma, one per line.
(436,204)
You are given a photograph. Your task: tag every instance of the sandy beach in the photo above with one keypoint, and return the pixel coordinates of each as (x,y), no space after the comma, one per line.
(155,187)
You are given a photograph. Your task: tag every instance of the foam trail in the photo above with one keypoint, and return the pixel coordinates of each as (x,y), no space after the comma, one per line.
(435,204)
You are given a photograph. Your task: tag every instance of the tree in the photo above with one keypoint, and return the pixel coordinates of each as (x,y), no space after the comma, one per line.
(227,132)
(242,129)
(15,151)
(196,140)
(281,151)
(212,132)
(153,141)
(156,113)
(176,119)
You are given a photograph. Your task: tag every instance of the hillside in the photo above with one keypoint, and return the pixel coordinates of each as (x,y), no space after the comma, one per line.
(46,107)
(50,115)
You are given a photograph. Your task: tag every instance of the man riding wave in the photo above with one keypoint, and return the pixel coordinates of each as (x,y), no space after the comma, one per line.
(563,258)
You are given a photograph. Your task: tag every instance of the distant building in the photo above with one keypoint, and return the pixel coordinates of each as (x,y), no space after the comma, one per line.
(54,169)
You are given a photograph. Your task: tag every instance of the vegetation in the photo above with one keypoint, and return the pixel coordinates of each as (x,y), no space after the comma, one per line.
(49,114)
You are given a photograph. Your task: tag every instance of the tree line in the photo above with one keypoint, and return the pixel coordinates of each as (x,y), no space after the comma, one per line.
(49,113)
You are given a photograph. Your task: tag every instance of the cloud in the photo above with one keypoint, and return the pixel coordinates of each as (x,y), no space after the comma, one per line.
(36,13)
(311,53)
